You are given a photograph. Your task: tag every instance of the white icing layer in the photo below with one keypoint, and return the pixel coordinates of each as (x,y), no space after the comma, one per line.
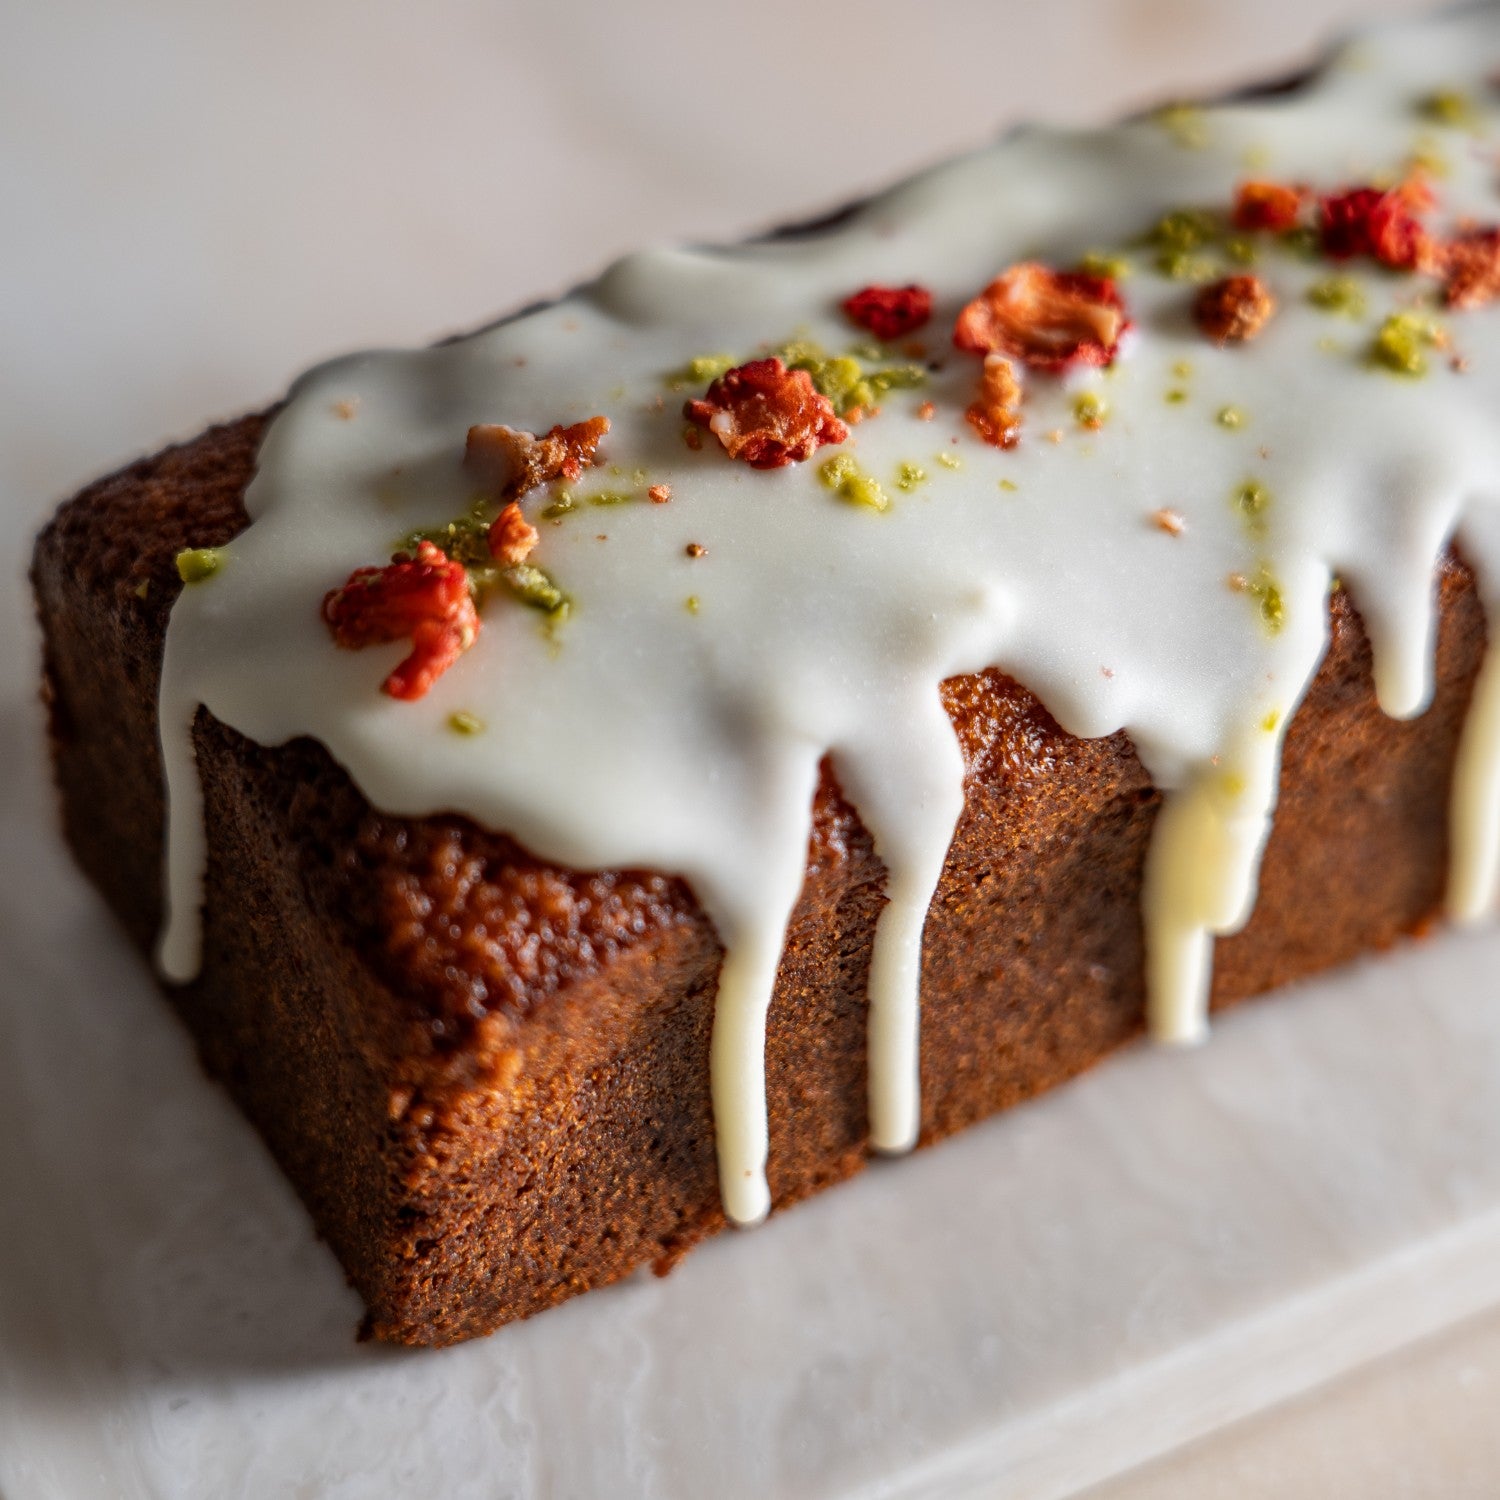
(642,735)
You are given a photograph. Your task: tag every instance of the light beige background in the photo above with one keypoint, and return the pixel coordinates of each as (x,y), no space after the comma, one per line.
(198,199)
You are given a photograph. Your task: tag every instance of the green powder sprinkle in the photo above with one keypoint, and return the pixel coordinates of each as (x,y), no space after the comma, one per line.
(1270,722)
(533,587)
(142,588)
(1090,409)
(1305,241)
(463,722)
(194,564)
(1009,486)
(1266,592)
(1338,294)
(701,371)
(1252,499)
(1231,417)
(1185,265)
(1241,251)
(949,460)
(909,476)
(609,497)
(1450,108)
(1187,124)
(1401,344)
(1104,263)
(1185,229)
(690,604)
(1176,396)
(845,478)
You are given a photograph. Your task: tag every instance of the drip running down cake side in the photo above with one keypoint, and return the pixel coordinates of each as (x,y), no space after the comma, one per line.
(1136,458)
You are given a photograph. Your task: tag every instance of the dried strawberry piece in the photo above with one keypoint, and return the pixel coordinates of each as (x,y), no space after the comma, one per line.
(995,413)
(1234,309)
(425,597)
(1471,265)
(766,414)
(1047,319)
(1367,221)
(510,461)
(1268,205)
(512,536)
(889,312)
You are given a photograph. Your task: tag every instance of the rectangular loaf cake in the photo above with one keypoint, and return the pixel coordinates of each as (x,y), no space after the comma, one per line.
(488,1061)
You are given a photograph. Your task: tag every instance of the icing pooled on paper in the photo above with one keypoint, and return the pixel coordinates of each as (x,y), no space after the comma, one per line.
(644,732)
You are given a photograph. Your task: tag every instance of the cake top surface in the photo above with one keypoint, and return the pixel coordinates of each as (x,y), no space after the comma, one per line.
(1201,406)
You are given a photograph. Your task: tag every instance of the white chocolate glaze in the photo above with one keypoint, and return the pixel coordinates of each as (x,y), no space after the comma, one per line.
(640,734)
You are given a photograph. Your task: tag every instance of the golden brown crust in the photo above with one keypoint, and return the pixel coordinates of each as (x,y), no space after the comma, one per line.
(488,1077)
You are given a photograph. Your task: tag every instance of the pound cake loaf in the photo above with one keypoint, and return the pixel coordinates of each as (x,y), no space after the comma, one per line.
(603,778)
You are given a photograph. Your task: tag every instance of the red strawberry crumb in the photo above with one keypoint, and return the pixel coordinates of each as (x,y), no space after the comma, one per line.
(767,415)
(1234,309)
(889,312)
(1047,319)
(425,597)
(1268,205)
(512,536)
(995,413)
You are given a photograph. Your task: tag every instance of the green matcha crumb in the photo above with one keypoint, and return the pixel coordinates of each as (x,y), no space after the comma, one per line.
(845,478)
(1450,108)
(1241,251)
(949,460)
(690,604)
(194,564)
(1182,369)
(142,588)
(465,540)
(608,497)
(1252,499)
(1090,409)
(1185,265)
(1185,229)
(560,506)
(1105,263)
(1338,294)
(909,476)
(868,351)
(895,378)
(1176,396)
(1230,416)
(703,370)
(1305,241)
(461,721)
(1270,722)
(843,379)
(1009,486)
(1187,124)
(533,587)
(1403,340)
(1427,159)
(1266,592)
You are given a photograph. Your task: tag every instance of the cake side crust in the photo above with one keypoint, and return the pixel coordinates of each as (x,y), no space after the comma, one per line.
(487,1077)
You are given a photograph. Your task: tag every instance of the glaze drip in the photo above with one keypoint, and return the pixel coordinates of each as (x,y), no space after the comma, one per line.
(676,720)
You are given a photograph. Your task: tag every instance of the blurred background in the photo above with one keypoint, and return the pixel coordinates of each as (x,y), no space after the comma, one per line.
(199,200)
